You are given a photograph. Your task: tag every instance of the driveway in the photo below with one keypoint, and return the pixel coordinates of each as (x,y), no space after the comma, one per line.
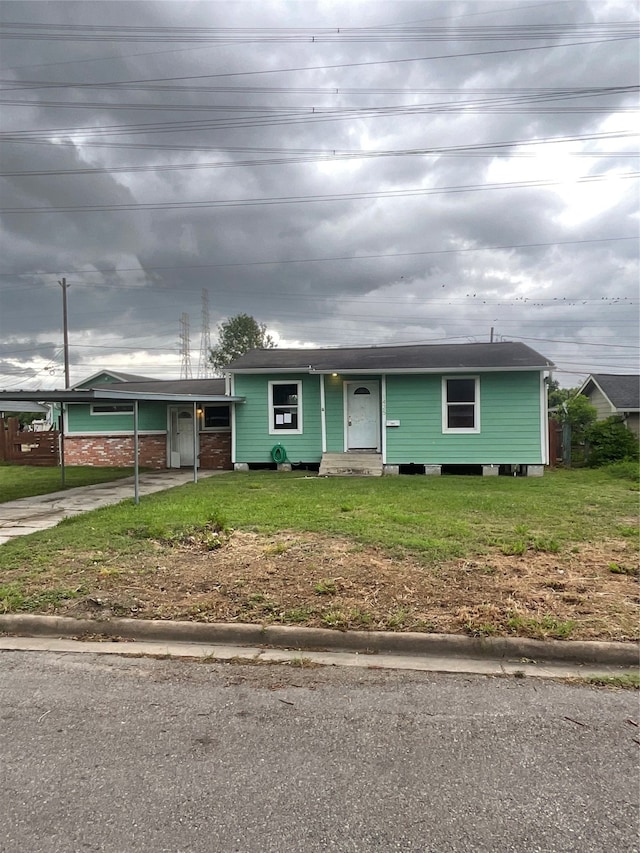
(29,515)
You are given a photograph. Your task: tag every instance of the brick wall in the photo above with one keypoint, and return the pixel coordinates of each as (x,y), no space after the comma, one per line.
(117,450)
(215,450)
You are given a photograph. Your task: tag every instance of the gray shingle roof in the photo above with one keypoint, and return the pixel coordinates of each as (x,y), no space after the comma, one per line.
(128,377)
(427,357)
(116,374)
(171,386)
(623,390)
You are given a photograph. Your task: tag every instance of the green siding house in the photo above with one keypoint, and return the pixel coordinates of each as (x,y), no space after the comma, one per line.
(392,408)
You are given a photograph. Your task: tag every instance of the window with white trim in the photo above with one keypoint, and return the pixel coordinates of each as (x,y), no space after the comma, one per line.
(461,404)
(285,408)
(112,409)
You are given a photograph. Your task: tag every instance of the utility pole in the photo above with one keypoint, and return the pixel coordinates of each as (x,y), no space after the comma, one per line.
(65,332)
(491,341)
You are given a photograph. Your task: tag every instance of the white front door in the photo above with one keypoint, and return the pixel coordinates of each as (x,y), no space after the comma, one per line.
(363,415)
(181,438)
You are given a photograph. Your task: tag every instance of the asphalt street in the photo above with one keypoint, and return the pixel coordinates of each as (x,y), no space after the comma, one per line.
(126,755)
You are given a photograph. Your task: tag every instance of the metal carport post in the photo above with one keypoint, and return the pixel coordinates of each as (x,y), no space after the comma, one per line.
(136,456)
(195,442)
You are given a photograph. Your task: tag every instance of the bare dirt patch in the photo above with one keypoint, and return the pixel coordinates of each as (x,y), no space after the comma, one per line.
(308,579)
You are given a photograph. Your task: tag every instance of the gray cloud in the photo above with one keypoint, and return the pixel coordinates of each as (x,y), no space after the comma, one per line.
(348,270)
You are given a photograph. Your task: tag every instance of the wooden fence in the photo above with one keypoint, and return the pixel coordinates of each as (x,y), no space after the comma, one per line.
(23,447)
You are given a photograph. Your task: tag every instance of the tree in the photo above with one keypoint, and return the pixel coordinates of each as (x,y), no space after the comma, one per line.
(236,336)
(578,412)
(558,395)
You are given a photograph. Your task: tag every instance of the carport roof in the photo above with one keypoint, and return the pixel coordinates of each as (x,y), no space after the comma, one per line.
(129,396)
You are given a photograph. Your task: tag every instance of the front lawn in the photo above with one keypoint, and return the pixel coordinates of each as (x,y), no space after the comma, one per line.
(23,481)
(555,556)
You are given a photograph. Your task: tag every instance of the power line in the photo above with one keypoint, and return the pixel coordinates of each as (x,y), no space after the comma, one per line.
(299,69)
(303,155)
(231,164)
(577,343)
(377,256)
(336,197)
(466,15)
(471,96)
(287,116)
(254,35)
(171,349)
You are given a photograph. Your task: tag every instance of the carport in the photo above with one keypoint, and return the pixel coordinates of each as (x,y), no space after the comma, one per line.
(135,398)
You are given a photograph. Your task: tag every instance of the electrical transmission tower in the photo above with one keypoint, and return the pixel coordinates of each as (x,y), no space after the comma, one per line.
(185,348)
(204,366)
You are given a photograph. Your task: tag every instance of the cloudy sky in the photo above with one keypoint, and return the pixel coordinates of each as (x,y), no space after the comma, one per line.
(348,173)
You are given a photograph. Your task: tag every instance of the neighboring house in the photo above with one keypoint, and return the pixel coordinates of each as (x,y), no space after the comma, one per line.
(393,408)
(15,407)
(102,432)
(615,394)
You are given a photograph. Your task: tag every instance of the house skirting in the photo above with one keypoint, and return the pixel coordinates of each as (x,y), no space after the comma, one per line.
(117,451)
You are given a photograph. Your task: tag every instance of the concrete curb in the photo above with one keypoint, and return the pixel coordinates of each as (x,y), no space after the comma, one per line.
(322,639)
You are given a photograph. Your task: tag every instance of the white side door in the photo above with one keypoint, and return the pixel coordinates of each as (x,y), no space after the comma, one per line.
(363,415)
(181,438)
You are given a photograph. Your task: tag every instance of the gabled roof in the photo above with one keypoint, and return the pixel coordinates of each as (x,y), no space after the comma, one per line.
(118,375)
(423,358)
(622,390)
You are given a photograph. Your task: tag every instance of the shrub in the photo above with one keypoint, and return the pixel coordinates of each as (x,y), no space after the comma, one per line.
(628,469)
(580,414)
(610,441)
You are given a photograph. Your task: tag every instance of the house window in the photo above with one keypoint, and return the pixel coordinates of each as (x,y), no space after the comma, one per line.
(216,417)
(112,409)
(461,404)
(285,407)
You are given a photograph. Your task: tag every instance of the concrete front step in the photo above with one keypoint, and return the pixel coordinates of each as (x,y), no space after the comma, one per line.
(351,465)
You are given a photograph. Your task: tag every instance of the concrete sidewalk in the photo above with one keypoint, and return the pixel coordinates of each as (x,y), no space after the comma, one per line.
(301,646)
(210,653)
(40,512)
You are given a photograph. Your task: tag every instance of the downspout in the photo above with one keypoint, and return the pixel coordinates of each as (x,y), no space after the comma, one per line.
(383,416)
(544,425)
(232,385)
(323,420)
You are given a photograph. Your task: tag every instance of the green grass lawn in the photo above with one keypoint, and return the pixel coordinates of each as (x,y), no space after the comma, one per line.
(431,518)
(549,557)
(23,481)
